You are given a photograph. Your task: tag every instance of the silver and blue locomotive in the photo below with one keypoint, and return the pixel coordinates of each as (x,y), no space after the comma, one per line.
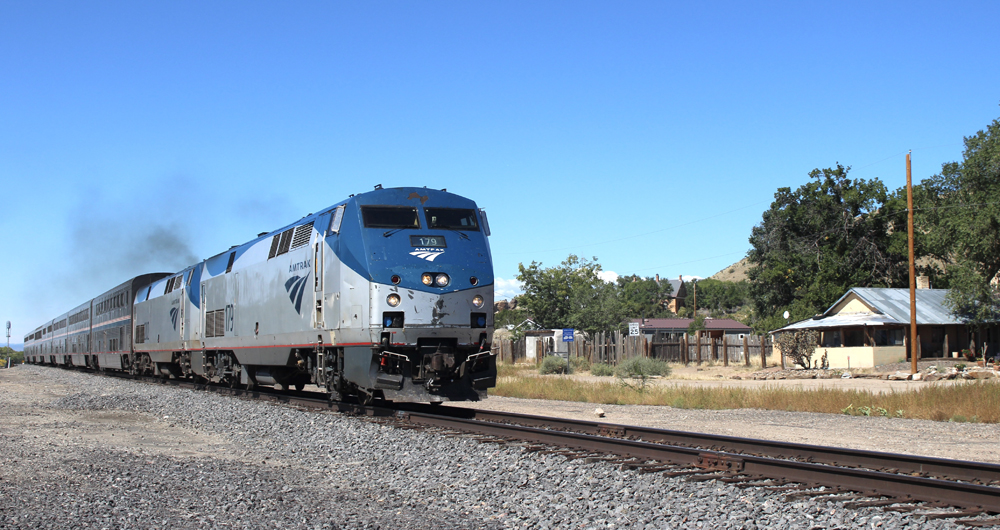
(388,294)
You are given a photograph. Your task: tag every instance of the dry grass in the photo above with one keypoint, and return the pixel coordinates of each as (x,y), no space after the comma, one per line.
(972,401)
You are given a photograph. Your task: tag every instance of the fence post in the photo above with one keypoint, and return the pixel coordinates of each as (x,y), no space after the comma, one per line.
(746,350)
(783,358)
(725,351)
(763,353)
(684,349)
(697,347)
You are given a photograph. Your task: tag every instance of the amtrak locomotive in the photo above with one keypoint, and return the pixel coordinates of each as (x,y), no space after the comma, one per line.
(388,295)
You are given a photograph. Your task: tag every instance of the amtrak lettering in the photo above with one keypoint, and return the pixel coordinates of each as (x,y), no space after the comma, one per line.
(300,265)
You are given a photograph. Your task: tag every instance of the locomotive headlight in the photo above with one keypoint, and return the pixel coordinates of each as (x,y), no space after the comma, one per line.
(427,278)
(477,301)
(442,280)
(392,299)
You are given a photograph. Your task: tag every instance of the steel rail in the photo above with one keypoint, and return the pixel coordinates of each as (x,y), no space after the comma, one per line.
(978,472)
(906,488)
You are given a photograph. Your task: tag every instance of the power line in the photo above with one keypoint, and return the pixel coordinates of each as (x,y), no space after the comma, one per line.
(640,235)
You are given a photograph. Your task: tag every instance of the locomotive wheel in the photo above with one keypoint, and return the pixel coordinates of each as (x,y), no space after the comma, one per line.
(299,386)
(365,399)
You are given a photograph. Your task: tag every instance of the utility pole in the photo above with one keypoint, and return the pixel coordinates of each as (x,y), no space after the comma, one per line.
(914,347)
(8,343)
(696,299)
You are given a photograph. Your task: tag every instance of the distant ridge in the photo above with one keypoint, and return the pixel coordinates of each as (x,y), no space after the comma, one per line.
(737,272)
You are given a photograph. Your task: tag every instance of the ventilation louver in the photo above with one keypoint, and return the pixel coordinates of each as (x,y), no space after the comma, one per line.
(289,239)
(215,323)
(303,234)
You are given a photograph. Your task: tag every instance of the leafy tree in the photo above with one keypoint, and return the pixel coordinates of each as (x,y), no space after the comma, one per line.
(962,218)
(817,242)
(644,297)
(551,293)
(972,298)
(16,357)
(570,295)
(509,317)
(798,346)
(573,295)
(720,297)
(697,324)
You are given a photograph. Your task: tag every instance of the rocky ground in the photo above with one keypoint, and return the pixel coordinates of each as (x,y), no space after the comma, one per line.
(82,451)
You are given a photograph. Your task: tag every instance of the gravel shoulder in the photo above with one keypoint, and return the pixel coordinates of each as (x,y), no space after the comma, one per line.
(83,451)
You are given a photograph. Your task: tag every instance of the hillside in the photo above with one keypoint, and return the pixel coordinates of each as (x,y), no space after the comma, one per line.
(736,272)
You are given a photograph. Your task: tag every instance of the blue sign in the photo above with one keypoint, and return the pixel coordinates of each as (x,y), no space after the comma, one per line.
(567,335)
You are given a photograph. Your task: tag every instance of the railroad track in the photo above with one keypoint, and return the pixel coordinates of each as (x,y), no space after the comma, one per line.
(930,487)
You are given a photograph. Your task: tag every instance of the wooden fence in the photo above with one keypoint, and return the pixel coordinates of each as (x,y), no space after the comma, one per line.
(614,347)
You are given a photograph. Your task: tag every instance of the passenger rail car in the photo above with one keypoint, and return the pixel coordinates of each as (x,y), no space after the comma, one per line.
(388,294)
(95,334)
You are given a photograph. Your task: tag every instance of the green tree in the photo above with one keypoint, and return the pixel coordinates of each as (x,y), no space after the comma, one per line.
(16,357)
(964,224)
(799,346)
(572,295)
(972,298)
(644,297)
(697,324)
(815,243)
(719,297)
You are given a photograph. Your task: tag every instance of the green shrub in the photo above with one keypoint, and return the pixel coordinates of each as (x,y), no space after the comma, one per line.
(553,364)
(641,368)
(579,364)
(601,369)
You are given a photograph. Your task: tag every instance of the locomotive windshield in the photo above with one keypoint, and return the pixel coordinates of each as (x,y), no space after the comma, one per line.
(451,218)
(390,217)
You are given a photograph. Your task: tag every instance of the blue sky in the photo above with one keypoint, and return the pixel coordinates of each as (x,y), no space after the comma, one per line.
(140,136)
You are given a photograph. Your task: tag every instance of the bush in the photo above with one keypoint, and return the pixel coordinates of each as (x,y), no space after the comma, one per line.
(553,364)
(601,369)
(579,364)
(642,367)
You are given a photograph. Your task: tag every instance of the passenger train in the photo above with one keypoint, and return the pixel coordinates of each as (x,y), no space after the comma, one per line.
(386,295)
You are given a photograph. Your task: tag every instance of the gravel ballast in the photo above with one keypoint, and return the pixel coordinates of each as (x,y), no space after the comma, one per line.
(82,451)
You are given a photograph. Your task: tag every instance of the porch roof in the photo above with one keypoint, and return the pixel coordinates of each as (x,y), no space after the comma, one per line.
(841,321)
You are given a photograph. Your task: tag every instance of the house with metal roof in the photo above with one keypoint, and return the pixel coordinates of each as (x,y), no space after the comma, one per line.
(869,326)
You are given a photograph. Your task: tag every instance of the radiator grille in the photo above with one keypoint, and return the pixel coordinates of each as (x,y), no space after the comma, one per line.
(274,246)
(289,239)
(303,234)
(286,241)
(215,323)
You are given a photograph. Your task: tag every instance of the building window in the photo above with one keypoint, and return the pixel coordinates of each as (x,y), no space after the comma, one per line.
(889,337)
(854,337)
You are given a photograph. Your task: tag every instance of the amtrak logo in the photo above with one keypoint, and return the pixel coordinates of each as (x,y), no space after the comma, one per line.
(426,253)
(296,285)
(173,316)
